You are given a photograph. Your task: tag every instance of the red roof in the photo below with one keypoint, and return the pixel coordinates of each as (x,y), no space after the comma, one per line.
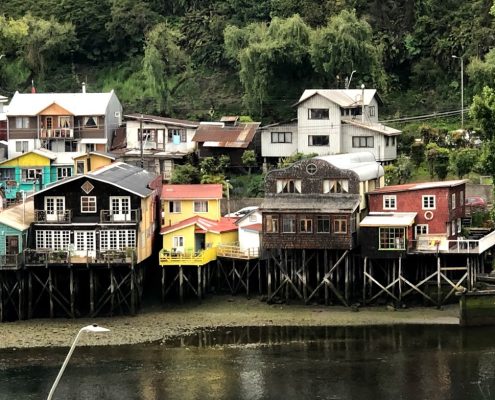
(192,192)
(215,135)
(418,186)
(253,227)
(204,225)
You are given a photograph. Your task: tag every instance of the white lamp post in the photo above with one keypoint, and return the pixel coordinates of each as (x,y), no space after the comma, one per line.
(462,89)
(90,328)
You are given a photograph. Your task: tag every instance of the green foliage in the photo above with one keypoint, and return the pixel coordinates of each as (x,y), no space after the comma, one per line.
(417,153)
(399,172)
(249,159)
(483,112)
(463,161)
(183,174)
(391,174)
(214,167)
(438,160)
(287,161)
(256,187)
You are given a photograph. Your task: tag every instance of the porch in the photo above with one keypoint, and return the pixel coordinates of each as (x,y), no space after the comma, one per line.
(167,258)
(44,257)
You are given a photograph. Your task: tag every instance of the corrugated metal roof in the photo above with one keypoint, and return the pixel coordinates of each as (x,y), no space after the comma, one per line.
(342,97)
(163,120)
(388,220)
(18,217)
(213,135)
(193,191)
(380,128)
(75,103)
(362,163)
(419,186)
(338,203)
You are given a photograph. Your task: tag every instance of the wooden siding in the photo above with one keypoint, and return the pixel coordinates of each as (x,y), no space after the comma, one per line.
(269,149)
(30,160)
(369,239)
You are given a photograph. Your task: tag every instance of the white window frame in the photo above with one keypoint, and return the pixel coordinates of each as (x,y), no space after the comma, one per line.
(306,225)
(459,225)
(340,225)
(22,122)
(21,146)
(200,206)
(314,113)
(85,241)
(281,137)
(461,198)
(118,209)
(363,142)
(90,207)
(117,239)
(86,120)
(311,140)
(289,224)
(395,239)
(80,165)
(453,201)
(175,206)
(421,229)
(54,207)
(63,172)
(426,202)
(52,239)
(390,202)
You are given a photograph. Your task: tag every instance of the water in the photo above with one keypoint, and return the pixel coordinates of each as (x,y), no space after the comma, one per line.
(405,362)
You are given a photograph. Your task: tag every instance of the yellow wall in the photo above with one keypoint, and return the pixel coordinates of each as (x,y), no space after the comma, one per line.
(187,233)
(28,160)
(96,162)
(214,239)
(146,231)
(187,208)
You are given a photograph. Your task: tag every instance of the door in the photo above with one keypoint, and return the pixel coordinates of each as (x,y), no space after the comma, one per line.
(55,208)
(178,243)
(199,244)
(120,208)
(12,244)
(85,243)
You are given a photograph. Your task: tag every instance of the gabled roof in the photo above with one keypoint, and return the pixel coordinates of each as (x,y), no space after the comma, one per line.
(362,163)
(375,127)
(253,227)
(192,192)
(220,135)
(293,121)
(41,152)
(95,153)
(75,103)
(418,186)
(127,177)
(18,217)
(163,120)
(205,224)
(343,97)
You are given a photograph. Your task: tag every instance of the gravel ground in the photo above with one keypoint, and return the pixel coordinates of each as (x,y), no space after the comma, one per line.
(158,323)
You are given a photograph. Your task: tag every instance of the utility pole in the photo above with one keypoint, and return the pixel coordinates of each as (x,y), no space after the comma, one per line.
(462,88)
(141,139)
(362,102)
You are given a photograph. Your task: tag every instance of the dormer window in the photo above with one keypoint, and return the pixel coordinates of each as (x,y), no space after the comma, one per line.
(336,186)
(288,186)
(318,113)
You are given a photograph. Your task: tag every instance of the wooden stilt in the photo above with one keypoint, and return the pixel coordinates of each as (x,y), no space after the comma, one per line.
(2,280)
(269,276)
(200,284)
(50,290)
(72,294)
(30,295)
(304,282)
(326,269)
(112,291)
(133,290)
(439,283)
(91,292)
(181,285)
(364,279)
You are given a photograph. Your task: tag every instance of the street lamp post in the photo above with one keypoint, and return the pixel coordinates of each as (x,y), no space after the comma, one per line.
(90,328)
(462,89)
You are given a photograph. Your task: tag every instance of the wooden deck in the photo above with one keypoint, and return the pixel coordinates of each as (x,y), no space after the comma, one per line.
(234,251)
(178,259)
(438,244)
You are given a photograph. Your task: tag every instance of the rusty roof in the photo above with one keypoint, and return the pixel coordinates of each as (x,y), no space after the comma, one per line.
(219,135)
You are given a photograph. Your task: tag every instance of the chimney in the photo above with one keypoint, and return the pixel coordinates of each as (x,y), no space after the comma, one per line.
(84,87)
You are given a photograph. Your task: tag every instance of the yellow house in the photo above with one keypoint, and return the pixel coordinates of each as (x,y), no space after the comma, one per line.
(91,161)
(192,226)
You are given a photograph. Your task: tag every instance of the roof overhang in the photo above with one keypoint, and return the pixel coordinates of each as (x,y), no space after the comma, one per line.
(384,220)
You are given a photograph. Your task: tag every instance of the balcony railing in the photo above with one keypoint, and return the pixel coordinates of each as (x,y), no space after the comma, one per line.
(108,216)
(57,133)
(440,244)
(60,217)
(47,256)
(10,261)
(190,258)
(235,251)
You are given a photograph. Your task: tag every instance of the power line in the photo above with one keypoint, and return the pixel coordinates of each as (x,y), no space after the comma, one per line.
(426,116)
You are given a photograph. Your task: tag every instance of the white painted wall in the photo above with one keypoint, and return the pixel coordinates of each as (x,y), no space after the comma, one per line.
(269,149)
(32,145)
(249,239)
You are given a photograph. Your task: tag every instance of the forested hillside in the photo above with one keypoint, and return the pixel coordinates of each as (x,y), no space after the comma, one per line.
(203,59)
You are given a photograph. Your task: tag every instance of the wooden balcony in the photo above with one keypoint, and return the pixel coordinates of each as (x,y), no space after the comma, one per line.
(235,251)
(109,217)
(61,217)
(440,244)
(167,258)
(57,133)
(10,261)
(44,257)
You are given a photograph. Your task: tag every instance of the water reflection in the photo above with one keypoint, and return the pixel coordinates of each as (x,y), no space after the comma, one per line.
(401,362)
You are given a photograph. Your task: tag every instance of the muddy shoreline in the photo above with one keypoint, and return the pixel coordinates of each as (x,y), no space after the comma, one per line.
(157,323)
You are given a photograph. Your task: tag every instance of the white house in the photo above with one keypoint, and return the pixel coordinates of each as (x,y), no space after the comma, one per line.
(333,122)
(249,231)
(62,122)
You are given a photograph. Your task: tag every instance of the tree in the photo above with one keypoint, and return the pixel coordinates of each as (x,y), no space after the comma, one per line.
(417,153)
(344,45)
(404,168)
(214,166)
(183,174)
(438,160)
(463,161)
(249,159)
(483,112)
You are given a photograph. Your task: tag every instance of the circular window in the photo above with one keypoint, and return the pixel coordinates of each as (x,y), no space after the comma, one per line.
(311,169)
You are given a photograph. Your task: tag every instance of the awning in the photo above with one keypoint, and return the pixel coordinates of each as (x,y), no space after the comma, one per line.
(388,220)
(94,141)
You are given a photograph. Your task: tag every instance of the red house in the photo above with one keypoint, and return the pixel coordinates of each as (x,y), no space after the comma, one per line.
(413,217)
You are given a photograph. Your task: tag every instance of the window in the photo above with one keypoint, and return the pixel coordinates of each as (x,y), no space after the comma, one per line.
(88,204)
(85,240)
(421,229)
(31,174)
(271,224)
(54,204)
(393,140)
(318,113)
(453,227)
(120,208)
(80,167)
(311,169)
(200,206)
(288,186)
(7,174)
(429,202)
(90,122)
(461,198)
(64,122)
(174,206)
(453,201)
(306,225)
(49,122)
(178,241)
(362,141)
(392,239)
(21,146)
(63,172)
(281,137)
(389,202)
(53,240)
(90,147)
(147,136)
(340,225)
(459,225)
(177,136)
(22,122)
(323,224)
(387,141)
(289,224)
(372,111)
(318,140)
(117,239)
(336,186)
(70,145)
